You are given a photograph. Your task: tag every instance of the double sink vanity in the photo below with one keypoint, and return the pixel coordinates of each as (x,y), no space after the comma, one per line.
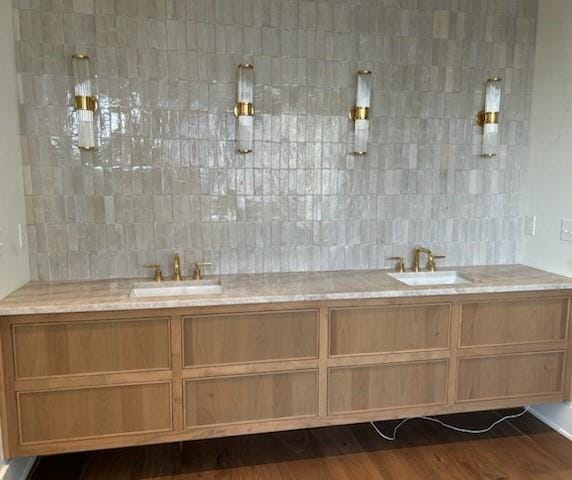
(100,364)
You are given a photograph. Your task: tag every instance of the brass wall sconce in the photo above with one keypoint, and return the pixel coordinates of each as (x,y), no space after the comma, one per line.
(85,103)
(488,119)
(360,113)
(244,108)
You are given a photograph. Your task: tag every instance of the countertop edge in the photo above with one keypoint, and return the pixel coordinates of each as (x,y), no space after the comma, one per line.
(125,304)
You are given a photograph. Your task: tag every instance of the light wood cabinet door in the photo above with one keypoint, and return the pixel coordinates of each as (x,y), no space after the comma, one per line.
(512,322)
(359,331)
(94,412)
(508,376)
(250,337)
(247,398)
(377,387)
(99,346)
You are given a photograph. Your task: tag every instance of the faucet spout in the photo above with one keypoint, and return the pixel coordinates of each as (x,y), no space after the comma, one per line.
(417,258)
(177,268)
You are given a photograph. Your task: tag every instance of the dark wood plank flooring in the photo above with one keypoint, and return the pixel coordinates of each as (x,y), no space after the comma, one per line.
(518,449)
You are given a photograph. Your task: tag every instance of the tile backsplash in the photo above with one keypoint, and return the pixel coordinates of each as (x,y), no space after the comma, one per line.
(167,178)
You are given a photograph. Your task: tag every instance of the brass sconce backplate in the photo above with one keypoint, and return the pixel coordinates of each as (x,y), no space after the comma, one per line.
(487,117)
(243,108)
(86,103)
(359,113)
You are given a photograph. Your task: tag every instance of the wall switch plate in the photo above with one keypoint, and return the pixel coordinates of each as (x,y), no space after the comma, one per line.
(566,231)
(1,243)
(530,226)
(22,235)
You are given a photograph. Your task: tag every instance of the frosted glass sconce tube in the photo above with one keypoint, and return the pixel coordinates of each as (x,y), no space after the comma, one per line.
(360,113)
(244,108)
(85,103)
(488,119)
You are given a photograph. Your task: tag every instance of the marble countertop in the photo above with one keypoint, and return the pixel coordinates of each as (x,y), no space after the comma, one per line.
(106,295)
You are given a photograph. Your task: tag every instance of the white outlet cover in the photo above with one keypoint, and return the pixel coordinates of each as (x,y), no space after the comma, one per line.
(566,231)
(530,226)
(22,235)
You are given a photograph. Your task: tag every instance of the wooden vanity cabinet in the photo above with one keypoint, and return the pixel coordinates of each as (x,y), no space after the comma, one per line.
(384,386)
(253,343)
(514,322)
(225,339)
(93,412)
(84,381)
(250,397)
(510,376)
(66,348)
(389,329)
(514,349)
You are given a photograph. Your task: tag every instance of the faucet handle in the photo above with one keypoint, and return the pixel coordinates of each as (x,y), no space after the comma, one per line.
(400,263)
(198,273)
(431,265)
(158,275)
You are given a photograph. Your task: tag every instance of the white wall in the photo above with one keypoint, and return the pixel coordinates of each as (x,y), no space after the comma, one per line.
(14,263)
(550,175)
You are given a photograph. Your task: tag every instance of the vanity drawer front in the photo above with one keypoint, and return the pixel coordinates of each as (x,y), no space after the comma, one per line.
(250,337)
(361,331)
(378,387)
(101,346)
(508,376)
(247,398)
(509,322)
(92,412)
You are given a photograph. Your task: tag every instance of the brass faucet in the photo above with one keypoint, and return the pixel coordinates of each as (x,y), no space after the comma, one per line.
(198,274)
(430,259)
(158,275)
(400,267)
(177,268)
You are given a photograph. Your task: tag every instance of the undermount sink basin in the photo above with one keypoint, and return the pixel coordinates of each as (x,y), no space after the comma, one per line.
(430,278)
(176,289)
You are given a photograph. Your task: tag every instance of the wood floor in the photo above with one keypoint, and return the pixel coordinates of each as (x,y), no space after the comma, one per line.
(518,449)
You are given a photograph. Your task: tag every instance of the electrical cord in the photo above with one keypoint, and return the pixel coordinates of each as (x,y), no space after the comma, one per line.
(393,437)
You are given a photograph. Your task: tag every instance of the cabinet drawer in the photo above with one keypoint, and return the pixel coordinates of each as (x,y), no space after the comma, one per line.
(94,412)
(267,396)
(250,337)
(355,331)
(507,376)
(102,346)
(376,387)
(514,322)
